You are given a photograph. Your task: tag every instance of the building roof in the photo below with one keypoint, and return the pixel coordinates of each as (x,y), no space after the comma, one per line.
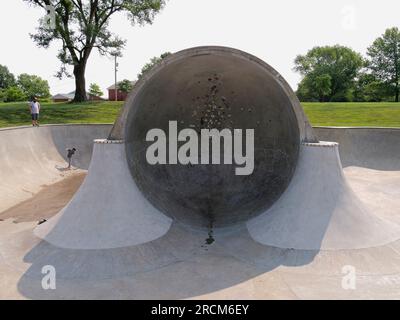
(68,96)
(113,86)
(60,96)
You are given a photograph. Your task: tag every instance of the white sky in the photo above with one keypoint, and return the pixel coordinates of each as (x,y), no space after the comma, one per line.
(275,31)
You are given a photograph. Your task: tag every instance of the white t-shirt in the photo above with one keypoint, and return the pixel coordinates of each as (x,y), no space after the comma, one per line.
(35,107)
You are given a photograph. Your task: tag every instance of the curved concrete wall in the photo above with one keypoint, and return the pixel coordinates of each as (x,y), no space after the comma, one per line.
(108,211)
(374,148)
(33,157)
(319,210)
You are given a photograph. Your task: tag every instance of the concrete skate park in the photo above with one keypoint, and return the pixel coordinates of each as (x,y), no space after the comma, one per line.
(320,200)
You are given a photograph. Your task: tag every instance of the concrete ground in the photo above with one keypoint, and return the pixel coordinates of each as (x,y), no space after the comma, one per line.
(181,265)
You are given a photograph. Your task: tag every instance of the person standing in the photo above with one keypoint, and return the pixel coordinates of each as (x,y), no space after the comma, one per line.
(35,110)
(70,153)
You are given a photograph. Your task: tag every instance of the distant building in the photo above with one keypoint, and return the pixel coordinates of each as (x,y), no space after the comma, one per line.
(60,97)
(67,97)
(121,96)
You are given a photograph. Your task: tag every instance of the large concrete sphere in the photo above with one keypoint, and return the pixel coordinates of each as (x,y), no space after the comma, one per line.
(214,87)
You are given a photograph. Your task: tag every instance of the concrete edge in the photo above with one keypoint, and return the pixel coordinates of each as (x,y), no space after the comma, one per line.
(57,125)
(106,141)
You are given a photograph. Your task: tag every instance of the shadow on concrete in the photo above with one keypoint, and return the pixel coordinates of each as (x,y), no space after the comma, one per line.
(177,266)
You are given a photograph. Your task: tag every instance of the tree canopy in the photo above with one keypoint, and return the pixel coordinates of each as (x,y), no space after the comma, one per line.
(328,73)
(83,25)
(125,86)
(153,61)
(384,60)
(33,86)
(24,88)
(95,90)
(7,79)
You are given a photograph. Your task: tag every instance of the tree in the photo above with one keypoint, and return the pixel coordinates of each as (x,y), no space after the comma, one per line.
(95,90)
(33,86)
(7,79)
(315,88)
(13,93)
(328,73)
(125,86)
(153,61)
(83,25)
(369,89)
(384,60)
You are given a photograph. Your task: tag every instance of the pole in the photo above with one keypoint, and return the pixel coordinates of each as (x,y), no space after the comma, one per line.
(116,86)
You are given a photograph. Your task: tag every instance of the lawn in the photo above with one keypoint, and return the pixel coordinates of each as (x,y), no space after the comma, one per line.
(17,114)
(320,114)
(385,114)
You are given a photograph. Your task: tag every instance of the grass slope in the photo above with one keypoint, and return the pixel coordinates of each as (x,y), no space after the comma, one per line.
(384,114)
(17,114)
(320,114)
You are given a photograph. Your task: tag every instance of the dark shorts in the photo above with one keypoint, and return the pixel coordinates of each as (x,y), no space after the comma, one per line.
(35,116)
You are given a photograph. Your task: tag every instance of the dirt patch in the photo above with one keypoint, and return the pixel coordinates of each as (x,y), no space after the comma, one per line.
(45,204)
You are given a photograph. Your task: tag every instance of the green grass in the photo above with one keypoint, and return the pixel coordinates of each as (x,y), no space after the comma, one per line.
(17,114)
(320,114)
(384,114)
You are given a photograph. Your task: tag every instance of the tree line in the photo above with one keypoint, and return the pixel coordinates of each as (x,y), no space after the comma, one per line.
(339,74)
(23,87)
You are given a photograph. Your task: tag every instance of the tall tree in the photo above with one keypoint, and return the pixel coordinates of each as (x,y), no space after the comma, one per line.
(369,89)
(83,25)
(328,72)
(33,86)
(7,79)
(384,60)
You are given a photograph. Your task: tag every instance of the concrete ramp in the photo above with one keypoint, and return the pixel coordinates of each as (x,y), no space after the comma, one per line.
(319,211)
(108,210)
(33,157)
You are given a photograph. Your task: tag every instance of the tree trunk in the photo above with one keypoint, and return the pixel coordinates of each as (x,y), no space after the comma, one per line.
(80,82)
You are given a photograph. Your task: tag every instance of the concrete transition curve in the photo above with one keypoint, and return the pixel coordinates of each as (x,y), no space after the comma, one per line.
(297,196)
(108,211)
(33,157)
(319,210)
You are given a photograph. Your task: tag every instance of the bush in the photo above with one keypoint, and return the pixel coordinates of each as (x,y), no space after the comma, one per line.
(14,93)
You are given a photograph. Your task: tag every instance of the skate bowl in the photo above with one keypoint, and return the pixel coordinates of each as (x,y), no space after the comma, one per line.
(240,263)
(296,195)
